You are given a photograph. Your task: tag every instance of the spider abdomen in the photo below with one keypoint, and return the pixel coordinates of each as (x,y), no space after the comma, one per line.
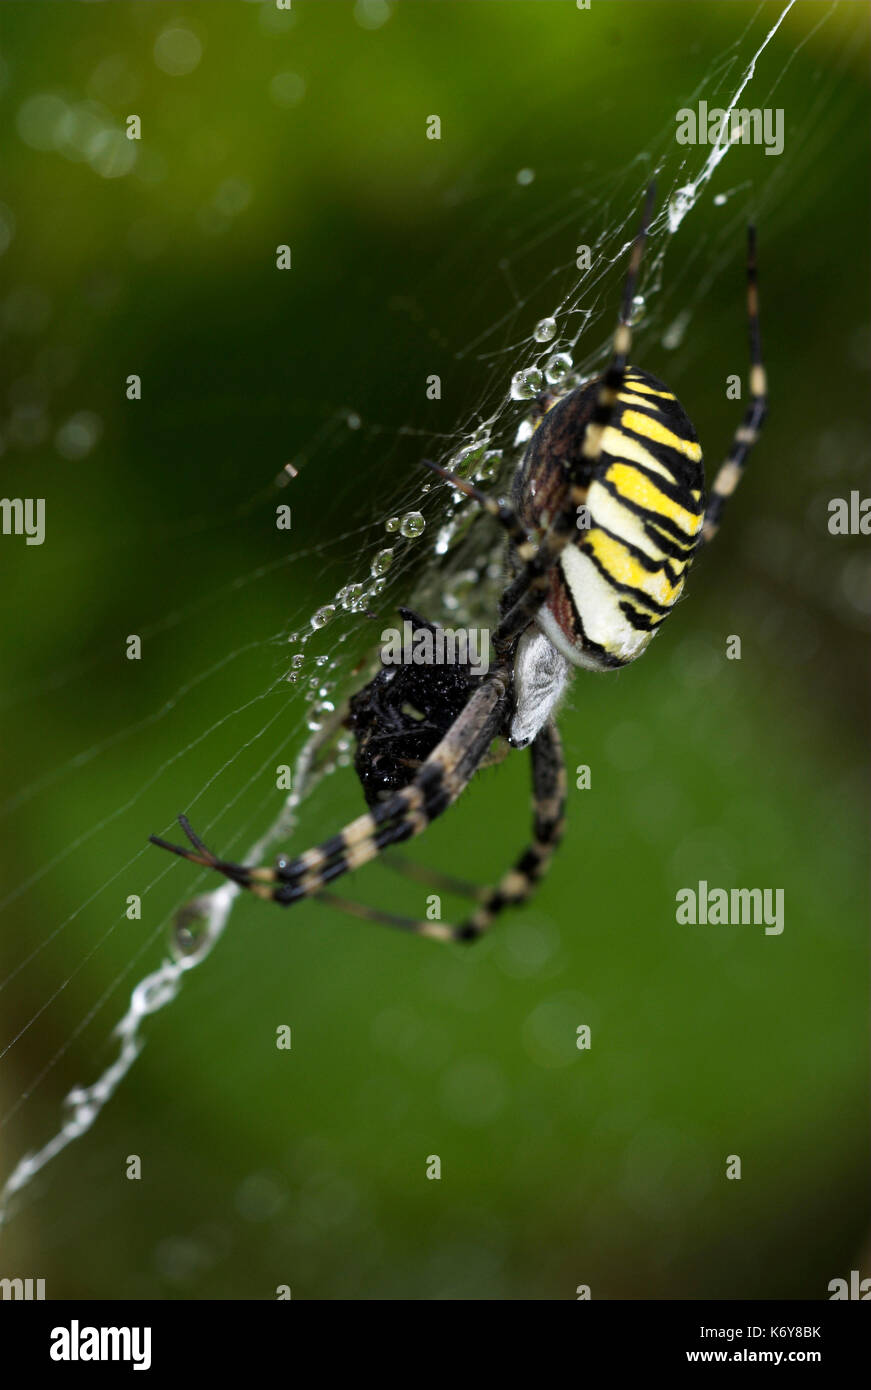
(400,716)
(620,576)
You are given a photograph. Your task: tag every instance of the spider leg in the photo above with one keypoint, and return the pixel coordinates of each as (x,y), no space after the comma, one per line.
(203,856)
(549,796)
(434,878)
(438,931)
(431,878)
(443,776)
(548,789)
(549,800)
(750,428)
(194,838)
(500,510)
(526,593)
(181,851)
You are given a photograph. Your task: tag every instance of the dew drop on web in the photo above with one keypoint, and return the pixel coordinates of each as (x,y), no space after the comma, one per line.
(381,562)
(323,615)
(557,368)
(526,383)
(545,330)
(412,525)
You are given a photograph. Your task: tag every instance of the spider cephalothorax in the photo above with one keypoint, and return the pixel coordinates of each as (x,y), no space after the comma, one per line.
(608,511)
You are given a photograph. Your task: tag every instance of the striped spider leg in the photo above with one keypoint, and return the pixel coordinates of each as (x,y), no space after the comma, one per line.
(437,784)
(750,428)
(518,884)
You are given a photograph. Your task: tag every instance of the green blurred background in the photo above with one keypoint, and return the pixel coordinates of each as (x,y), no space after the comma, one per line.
(307,1168)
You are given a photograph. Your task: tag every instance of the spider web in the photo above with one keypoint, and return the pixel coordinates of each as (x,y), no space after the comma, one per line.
(436,553)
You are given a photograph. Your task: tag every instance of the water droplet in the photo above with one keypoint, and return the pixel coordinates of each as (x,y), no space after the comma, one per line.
(526,384)
(354,421)
(556,368)
(321,660)
(190,929)
(377,587)
(382,562)
(463,460)
(525,176)
(352,597)
(317,714)
(680,204)
(639,304)
(412,525)
(545,329)
(323,615)
(489,466)
(392,523)
(719,200)
(296,661)
(673,335)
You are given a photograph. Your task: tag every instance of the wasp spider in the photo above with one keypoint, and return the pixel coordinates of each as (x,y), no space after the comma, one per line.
(621,447)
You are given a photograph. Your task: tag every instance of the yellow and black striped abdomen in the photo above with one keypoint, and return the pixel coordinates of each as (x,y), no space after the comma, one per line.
(618,580)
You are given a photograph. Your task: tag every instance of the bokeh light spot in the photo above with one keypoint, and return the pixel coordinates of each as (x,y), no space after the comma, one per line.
(473,1091)
(177,51)
(287,89)
(39,119)
(371,14)
(7,227)
(111,154)
(77,436)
